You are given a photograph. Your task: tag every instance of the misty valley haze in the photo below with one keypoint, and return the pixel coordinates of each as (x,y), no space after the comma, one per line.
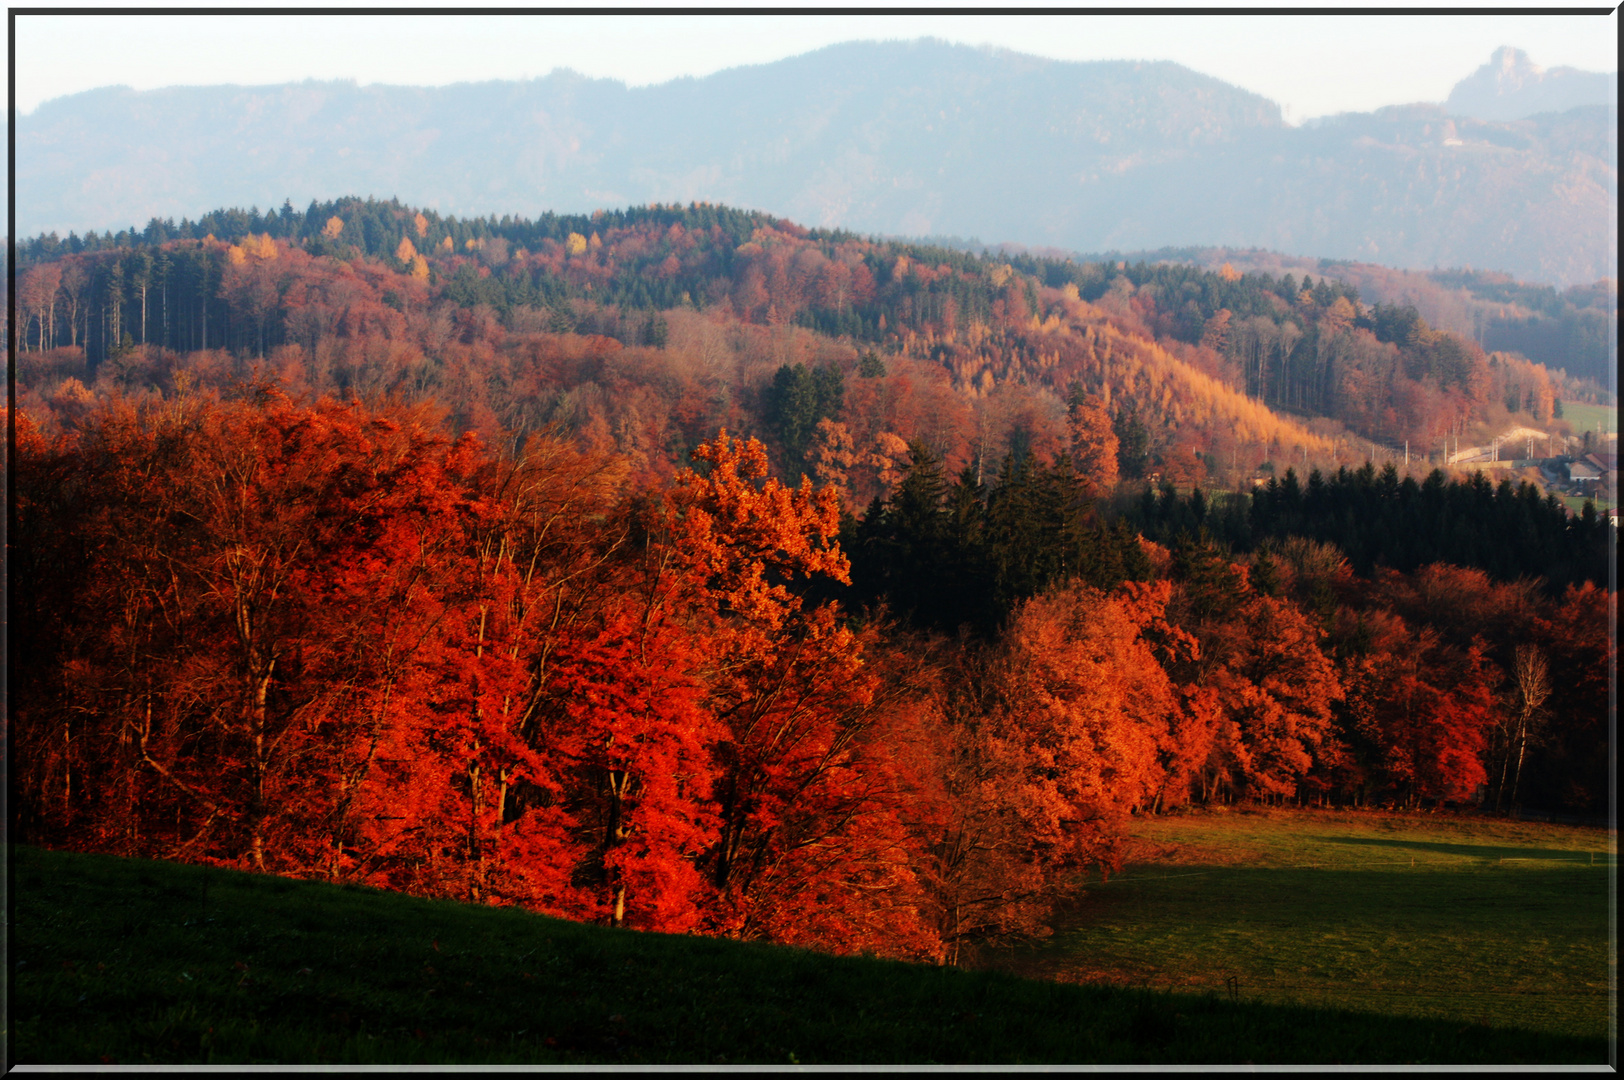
(920,138)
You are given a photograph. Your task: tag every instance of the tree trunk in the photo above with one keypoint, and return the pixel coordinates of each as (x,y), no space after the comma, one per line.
(614,833)
(1522,748)
(261,687)
(474,847)
(67,770)
(1505,765)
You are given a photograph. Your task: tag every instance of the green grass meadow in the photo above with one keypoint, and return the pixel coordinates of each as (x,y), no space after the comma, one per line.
(1584,417)
(1464,919)
(1576,503)
(1338,950)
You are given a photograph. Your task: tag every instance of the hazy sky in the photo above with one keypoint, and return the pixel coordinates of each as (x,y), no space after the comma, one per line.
(1311,64)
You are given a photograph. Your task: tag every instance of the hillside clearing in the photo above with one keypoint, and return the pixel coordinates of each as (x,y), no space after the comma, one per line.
(1460,918)
(122,961)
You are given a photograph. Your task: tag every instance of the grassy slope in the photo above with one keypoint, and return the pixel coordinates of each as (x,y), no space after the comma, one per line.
(1584,417)
(1463,919)
(136,962)
(1577,504)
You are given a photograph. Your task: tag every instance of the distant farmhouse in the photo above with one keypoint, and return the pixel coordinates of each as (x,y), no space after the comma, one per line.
(1595,474)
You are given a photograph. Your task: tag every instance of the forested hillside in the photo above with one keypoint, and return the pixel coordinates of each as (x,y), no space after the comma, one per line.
(655,326)
(683,568)
(1573,331)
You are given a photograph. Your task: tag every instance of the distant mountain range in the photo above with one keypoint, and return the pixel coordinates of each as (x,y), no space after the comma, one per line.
(889,138)
(1512,87)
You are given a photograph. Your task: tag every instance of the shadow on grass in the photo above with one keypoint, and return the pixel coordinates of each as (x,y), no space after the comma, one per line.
(1465,943)
(1486,852)
(280,972)
(1296,905)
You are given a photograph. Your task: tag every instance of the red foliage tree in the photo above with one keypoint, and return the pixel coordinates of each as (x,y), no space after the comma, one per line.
(1259,663)
(809,846)
(1429,711)
(250,586)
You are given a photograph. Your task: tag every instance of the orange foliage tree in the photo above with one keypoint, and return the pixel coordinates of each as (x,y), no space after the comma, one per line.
(1088,705)
(1259,676)
(809,845)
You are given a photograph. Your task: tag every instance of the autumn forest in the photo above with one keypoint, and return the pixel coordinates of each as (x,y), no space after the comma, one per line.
(684,569)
